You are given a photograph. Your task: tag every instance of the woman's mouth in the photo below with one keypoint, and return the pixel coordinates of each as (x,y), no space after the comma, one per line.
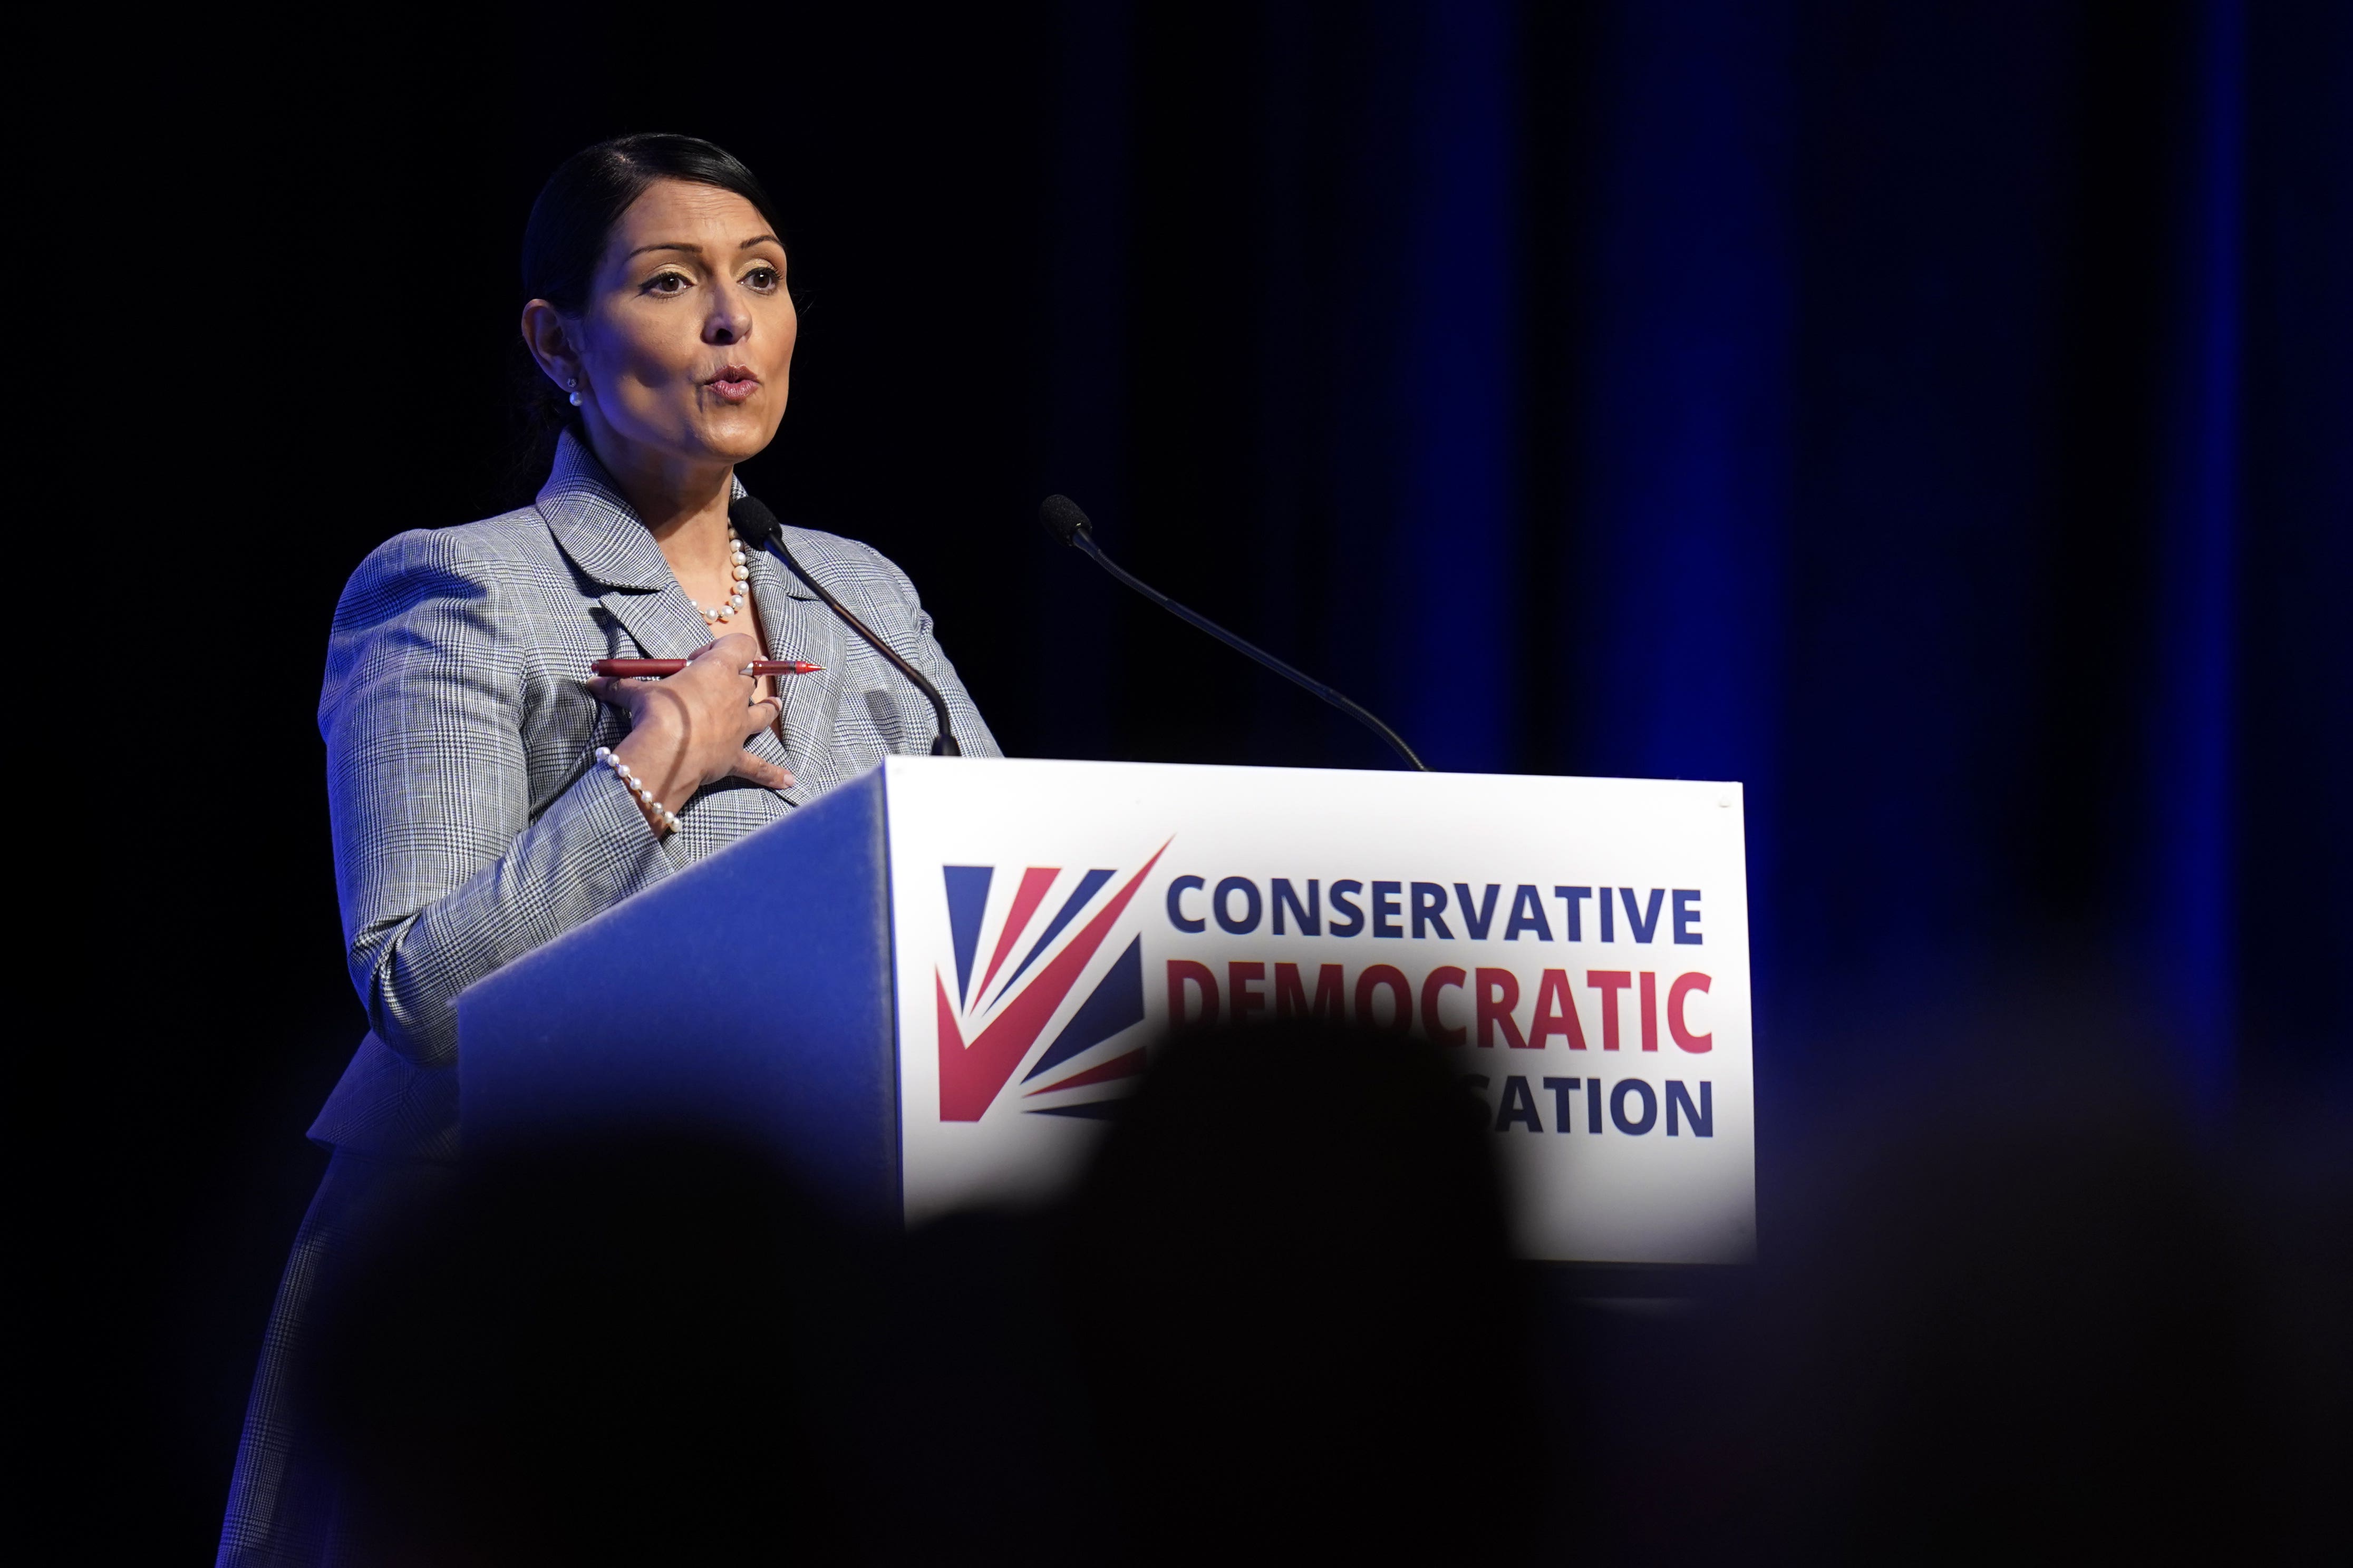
(735,383)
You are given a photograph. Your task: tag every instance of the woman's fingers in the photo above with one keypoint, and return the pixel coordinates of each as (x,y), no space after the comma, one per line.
(759,770)
(762,714)
(620,691)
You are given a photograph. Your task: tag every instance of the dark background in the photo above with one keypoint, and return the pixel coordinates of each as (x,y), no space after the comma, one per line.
(1937,417)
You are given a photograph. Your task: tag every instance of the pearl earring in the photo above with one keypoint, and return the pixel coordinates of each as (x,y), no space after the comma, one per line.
(574,384)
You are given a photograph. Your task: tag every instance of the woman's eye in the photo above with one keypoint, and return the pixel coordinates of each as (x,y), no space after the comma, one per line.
(666,283)
(762,277)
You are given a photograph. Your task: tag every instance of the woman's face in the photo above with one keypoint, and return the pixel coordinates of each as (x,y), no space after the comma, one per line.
(685,353)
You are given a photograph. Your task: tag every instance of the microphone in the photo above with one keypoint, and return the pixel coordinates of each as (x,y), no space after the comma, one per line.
(754,522)
(1066,522)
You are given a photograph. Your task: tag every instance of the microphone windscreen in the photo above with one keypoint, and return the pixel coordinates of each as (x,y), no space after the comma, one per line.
(1063,519)
(753,521)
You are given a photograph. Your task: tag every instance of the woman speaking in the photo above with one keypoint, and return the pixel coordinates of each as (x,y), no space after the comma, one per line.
(487,793)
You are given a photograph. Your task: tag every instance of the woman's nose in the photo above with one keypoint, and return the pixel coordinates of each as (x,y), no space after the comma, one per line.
(730,319)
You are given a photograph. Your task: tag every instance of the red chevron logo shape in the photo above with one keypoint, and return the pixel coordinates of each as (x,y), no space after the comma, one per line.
(973,1074)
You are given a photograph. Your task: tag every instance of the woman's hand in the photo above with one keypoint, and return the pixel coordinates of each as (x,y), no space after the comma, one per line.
(689,730)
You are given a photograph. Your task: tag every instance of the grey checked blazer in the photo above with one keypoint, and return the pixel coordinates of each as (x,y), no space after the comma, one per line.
(472,822)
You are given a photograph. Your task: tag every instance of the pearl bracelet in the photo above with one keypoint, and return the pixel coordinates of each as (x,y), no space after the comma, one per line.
(634,785)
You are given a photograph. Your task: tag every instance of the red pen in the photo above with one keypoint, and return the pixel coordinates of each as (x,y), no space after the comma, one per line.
(636,668)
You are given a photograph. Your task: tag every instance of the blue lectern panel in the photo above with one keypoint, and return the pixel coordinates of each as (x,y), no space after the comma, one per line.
(751,992)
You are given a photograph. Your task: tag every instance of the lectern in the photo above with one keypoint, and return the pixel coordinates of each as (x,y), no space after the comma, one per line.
(932,988)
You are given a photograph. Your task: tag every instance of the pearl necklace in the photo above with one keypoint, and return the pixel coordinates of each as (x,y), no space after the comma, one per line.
(739,572)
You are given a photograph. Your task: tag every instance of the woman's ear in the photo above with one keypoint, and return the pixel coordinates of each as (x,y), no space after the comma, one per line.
(550,343)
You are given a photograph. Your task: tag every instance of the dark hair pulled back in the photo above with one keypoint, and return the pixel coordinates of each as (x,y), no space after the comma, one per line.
(572,219)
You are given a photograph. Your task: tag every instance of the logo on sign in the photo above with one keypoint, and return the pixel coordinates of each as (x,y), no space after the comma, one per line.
(996,1016)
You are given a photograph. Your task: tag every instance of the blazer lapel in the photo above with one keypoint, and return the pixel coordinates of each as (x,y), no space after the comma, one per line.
(799,627)
(664,623)
(601,535)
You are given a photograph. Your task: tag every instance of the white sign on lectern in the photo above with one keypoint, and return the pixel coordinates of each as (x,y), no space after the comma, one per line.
(1580,946)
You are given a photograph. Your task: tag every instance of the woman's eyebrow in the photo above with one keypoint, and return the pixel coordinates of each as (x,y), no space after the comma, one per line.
(696,249)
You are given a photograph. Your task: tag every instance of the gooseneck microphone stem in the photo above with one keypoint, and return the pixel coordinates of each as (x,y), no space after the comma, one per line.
(751,517)
(1068,523)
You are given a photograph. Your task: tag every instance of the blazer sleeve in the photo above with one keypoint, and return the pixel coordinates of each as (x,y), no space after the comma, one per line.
(444,871)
